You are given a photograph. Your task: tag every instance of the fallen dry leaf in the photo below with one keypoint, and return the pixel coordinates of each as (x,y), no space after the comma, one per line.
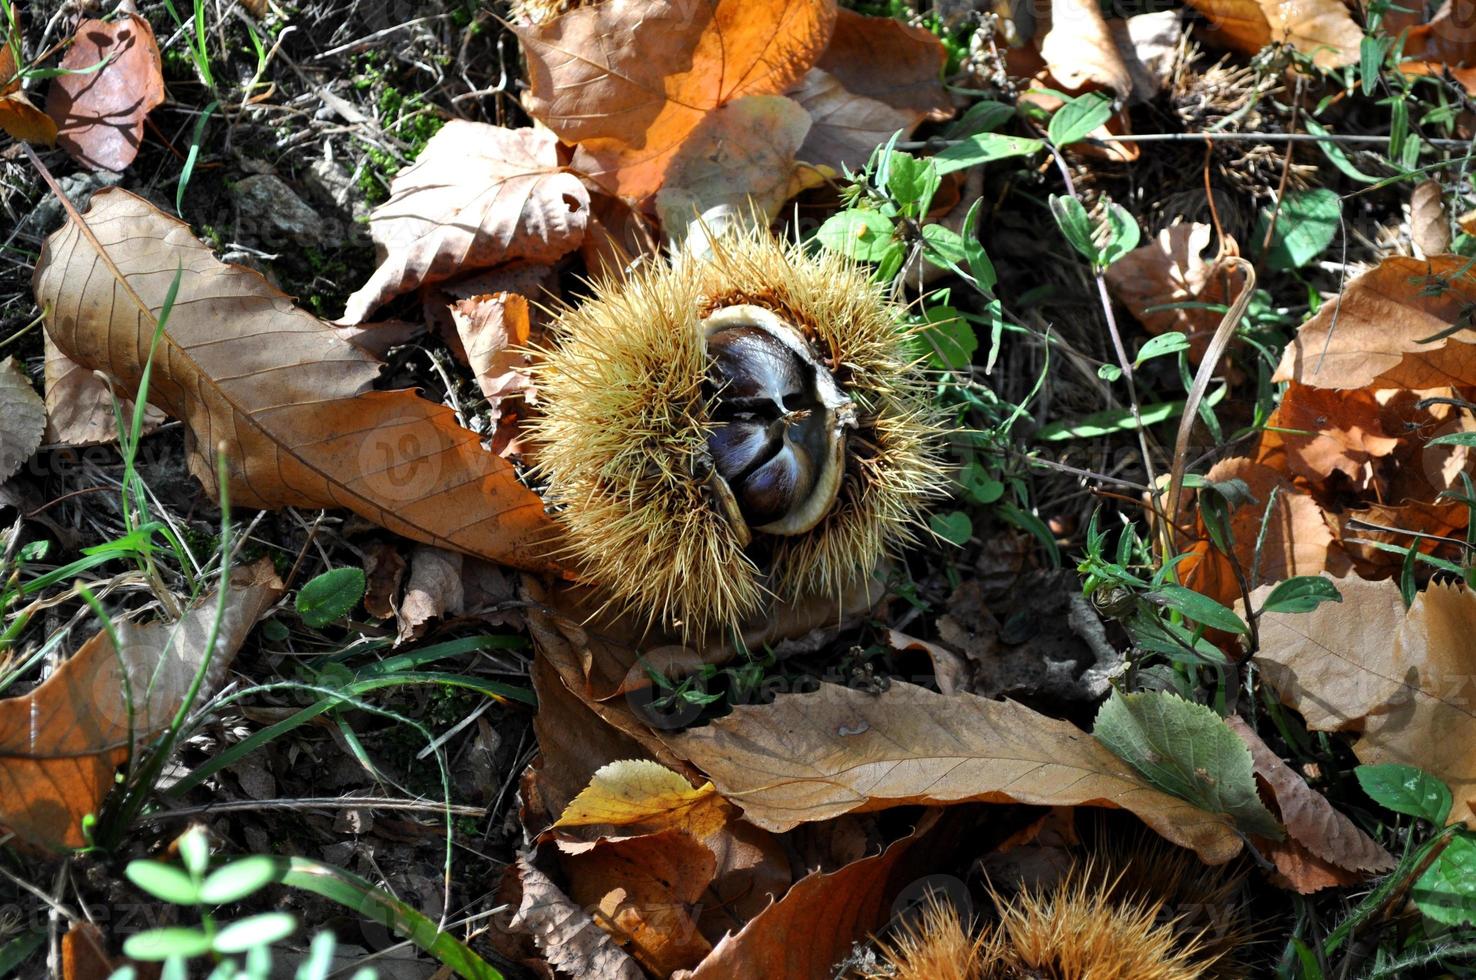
(1324,29)
(641,796)
(804,934)
(477,196)
(18,117)
(434,587)
(1429,225)
(1079,49)
(60,744)
(646,893)
(809,757)
(1337,852)
(1403,679)
(491,327)
(100,114)
(22,418)
(1148,45)
(1315,432)
(1171,271)
(384,568)
(740,156)
(565,932)
(79,406)
(629,81)
(302,425)
(845,129)
(1382,331)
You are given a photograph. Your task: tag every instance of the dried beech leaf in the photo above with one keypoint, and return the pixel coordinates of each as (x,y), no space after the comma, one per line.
(1316,431)
(18,117)
(1403,679)
(1429,225)
(1323,29)
(804,934)
(809,757)
(646,794)
(1311,822)
(1385,331)
(239,364)
(491,327)
(79,406)
(22,418)
(478,196)
(845,128)
(1079,49)
(100,114)
(630,80)
(60,744)
(565,932)
(1171,271)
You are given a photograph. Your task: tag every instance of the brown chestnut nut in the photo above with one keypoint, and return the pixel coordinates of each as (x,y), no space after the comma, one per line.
(779,439)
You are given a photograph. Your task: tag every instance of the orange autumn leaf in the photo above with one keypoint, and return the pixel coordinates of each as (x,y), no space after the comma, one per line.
(239,364)
(1324,29)
(60,744)
(1315,432)
(18,117)
(100,113)
(629,80)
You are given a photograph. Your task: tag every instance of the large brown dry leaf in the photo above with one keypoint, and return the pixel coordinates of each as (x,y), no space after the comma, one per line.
(565,933)
(1378,333)
(1079,50)
(1405,680)
(1297,539)
(1324,29)
(630,80)
(22,418)
(845,129)
(1155,282)
(646,893)
(1336,850)
(18,117)
(478,196)
(804,934)
(60,744)
(1315,432)
(741,156)
(809,757)
(100,114)
(79,405)
(290,399)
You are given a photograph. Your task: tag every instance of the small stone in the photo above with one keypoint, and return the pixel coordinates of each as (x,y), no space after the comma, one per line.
(273,211)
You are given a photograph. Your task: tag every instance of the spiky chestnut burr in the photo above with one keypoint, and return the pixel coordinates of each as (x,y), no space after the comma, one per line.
(732,428)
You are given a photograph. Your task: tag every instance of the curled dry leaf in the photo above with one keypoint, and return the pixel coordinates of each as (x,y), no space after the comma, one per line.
(1079,49)
(641,796)
(1429,225)
(100,112)
(1316,432)
(629,81)
(1324,29)
(1392,327)
(1162,282)
(566,933)
(22,418)
(60,744)
(301,423)
(18,117)
(1402,679)
(478,196)
(804,934)
(491,327)
(1322,846)
(79,405)
(809,757)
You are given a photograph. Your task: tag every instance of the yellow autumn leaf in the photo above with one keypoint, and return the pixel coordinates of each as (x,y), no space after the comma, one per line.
(640,792)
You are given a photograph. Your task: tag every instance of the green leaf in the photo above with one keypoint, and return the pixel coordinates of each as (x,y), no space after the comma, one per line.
(1335,153)
(1406,789)
(981,117)
(1079,117)
(1111,420)
(981,487)
(1305,225)
(319,962)
(1371,51)
(1187,750)
(1198,607)
(946,246)
(1446,892)
(330,596)
(1302,593)
(160,944)
(256,930)
(194,850)
(913,182)
(984,148)
(1109,372)
(1454,439)
(238,879)
(1124,231)
(862,235)
(949,339)
(1071,218)
(953,527)
(163,881)
(1165,343)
